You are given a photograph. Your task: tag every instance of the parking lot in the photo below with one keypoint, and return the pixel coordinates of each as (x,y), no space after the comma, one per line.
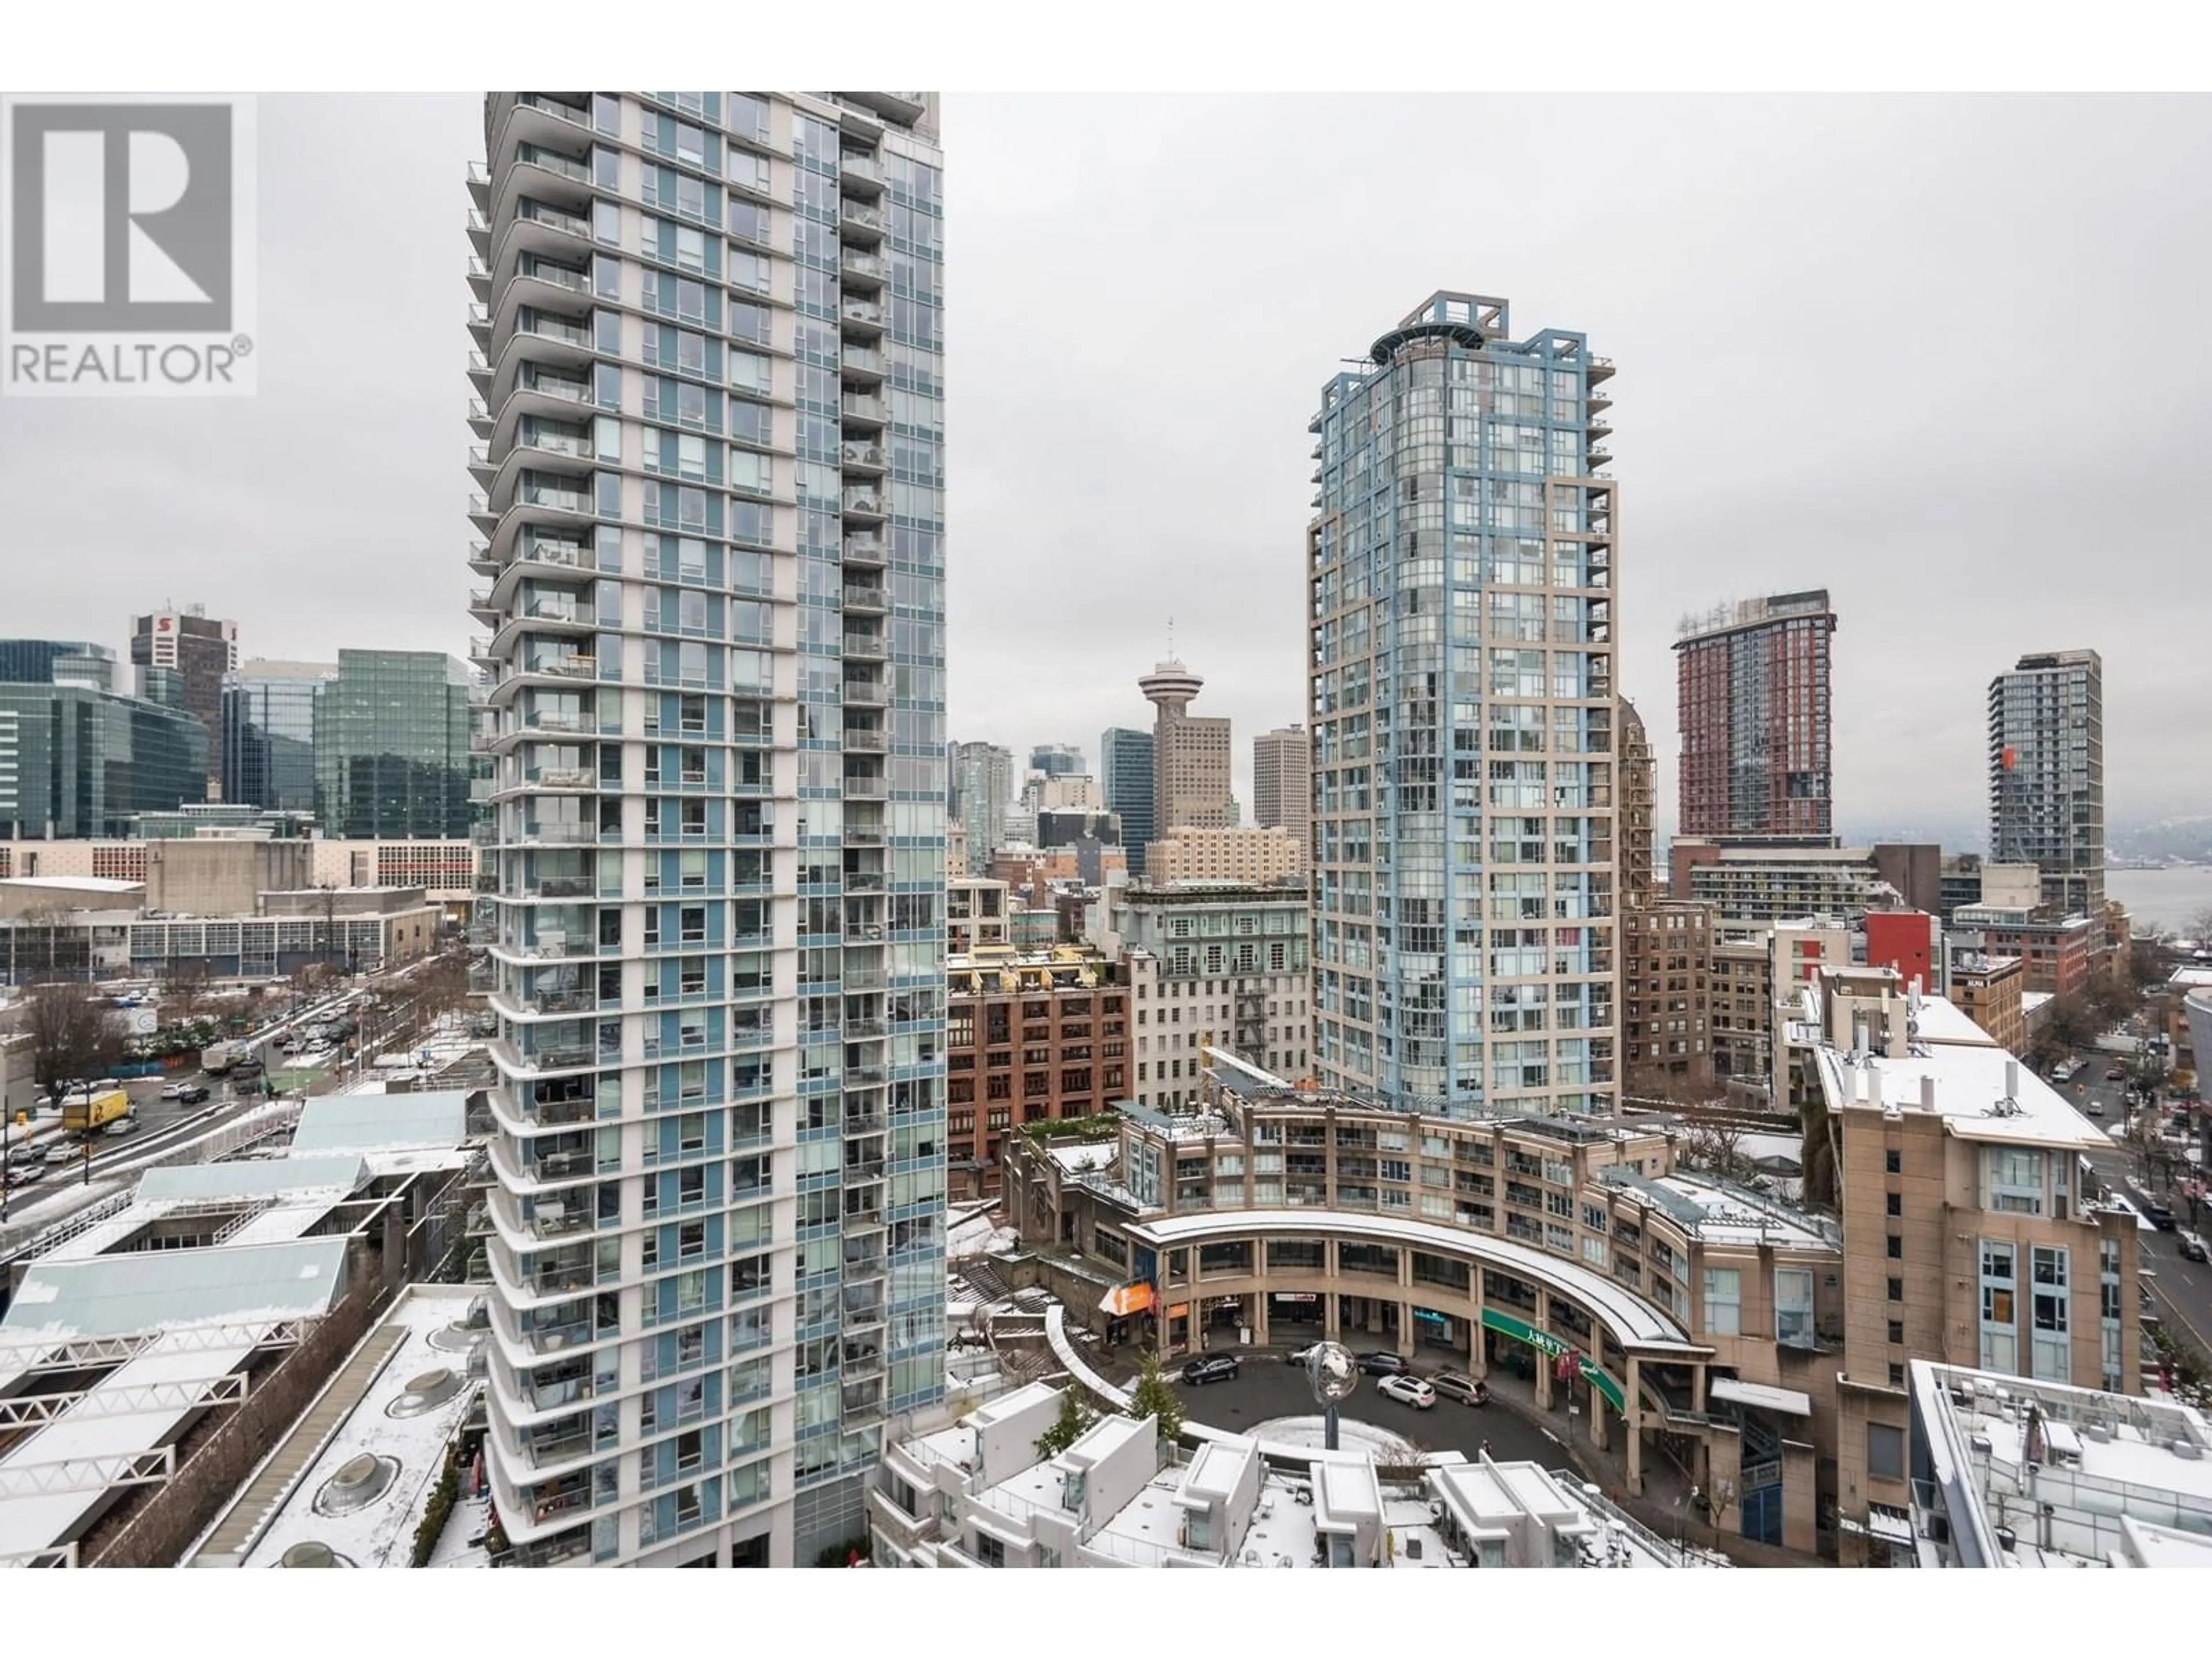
(1266,1387)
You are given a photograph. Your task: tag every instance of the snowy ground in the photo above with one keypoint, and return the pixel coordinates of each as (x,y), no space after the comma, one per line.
(1379,1444)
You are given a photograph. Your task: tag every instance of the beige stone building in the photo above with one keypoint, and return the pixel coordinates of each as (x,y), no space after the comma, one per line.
(1190,753)
(1667,947)
(1975,1232)
(1987,990)
(1255,857)
(1648,1307)
(222,876)
(975,913)
(445,870)
(1757,966)
(1282,786)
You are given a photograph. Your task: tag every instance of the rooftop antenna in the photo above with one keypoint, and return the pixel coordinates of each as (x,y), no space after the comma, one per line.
(1171,655)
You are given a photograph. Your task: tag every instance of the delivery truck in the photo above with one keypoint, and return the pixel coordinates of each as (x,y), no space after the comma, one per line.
(219,1057)
(88,1112)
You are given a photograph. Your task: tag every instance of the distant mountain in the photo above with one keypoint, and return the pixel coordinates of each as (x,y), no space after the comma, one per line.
(2169,838)
(1958,836)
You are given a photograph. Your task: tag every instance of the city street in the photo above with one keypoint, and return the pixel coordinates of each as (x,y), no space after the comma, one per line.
(1267,1388)
(2183,1289)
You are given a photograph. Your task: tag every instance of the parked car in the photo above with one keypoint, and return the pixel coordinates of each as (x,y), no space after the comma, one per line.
(193,1093)
(1458,1385)
(2193,1247)
(1214,1368)
(1407,1391)
(1381,1364)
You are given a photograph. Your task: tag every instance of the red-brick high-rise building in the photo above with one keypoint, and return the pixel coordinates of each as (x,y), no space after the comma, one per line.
(1754,681)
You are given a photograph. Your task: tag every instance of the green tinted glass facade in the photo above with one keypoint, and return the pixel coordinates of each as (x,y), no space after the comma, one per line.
(391,746)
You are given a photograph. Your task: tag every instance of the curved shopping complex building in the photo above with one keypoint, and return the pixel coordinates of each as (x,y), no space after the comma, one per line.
(1758,1348)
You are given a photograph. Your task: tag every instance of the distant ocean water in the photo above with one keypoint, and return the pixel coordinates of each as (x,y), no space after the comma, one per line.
(2162,898)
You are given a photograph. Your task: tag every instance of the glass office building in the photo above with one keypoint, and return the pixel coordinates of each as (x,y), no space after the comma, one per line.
(713,553)
(2046,721)
(79,763)
(393,744)
(1462,699)
(269,733)
(1125,767)
(56,662)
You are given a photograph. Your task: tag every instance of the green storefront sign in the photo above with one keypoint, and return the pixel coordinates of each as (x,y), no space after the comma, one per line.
(1552,1347)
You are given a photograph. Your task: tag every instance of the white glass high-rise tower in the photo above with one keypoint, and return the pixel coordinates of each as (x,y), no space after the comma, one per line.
(709,364)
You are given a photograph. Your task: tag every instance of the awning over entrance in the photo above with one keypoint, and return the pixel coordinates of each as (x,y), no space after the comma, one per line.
(1761,1396)
(1124,1300)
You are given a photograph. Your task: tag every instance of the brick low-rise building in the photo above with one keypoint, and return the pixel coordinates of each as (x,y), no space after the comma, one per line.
(1030,1038)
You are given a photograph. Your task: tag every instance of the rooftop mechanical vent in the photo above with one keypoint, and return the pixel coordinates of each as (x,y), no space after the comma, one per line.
(313,1555)
(359,1482)
(425,1393)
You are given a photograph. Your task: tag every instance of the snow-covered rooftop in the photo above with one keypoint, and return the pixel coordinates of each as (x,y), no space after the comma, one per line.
(2064,1470)
(144,1290)
(1734,1215)
(1092,1155)
(1224,1507)
(403,1414)
(362,1123)
(74,883)
(1981,1093)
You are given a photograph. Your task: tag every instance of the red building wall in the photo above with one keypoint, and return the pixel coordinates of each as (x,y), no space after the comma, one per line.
(1904,940)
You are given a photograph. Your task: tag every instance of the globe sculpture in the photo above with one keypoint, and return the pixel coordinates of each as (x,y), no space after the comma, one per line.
(1333,1375)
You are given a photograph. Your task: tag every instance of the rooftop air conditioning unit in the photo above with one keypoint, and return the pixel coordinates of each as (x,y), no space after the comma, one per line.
(2186,1448)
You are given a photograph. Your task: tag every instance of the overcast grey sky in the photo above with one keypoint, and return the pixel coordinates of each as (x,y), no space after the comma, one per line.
(1945,357)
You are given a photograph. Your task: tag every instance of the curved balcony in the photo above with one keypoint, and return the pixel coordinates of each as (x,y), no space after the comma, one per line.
(554,1446)
(517,1112)
(545,557)
(550,1172)
(559,1060)
(541,118)
(516,1002)
(526,722)
(535,225)
(547,672)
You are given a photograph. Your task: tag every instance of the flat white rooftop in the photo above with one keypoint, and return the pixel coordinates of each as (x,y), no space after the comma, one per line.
(1982,1094)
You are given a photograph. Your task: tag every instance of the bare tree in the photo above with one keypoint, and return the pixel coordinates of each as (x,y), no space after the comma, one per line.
(186,990)
(2198,927)
(75,1037)
(1717,1149)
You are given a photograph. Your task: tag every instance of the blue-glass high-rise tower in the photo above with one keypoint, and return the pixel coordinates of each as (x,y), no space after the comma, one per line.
(1462,704)
(711,373)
